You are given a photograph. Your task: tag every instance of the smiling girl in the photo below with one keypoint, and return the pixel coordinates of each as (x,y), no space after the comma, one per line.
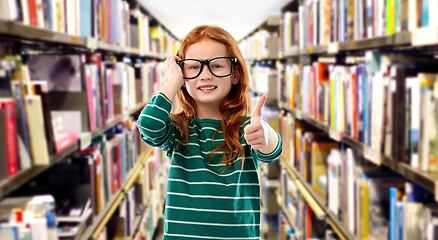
(215,148)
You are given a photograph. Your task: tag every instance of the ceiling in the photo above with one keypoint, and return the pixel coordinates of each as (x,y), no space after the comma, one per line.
(239,17)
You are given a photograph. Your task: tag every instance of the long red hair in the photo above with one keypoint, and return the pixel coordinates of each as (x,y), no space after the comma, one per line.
(233,110)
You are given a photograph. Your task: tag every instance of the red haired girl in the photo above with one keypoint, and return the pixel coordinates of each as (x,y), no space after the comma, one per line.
(213,187)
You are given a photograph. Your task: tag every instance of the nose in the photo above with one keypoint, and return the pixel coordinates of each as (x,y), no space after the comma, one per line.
(205,72)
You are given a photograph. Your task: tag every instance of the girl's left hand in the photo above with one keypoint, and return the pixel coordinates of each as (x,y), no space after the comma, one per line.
(258,133)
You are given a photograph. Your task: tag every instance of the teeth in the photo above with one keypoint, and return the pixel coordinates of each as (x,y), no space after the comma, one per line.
(207,88)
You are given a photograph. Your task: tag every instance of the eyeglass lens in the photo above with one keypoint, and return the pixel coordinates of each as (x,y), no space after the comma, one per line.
(220,67)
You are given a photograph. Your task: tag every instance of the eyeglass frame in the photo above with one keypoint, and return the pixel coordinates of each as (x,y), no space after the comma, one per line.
(234,62)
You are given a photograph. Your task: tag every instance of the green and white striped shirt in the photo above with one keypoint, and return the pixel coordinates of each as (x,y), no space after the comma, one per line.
(205,199)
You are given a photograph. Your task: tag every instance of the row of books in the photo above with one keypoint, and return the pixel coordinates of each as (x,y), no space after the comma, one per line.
(147,195)
(263,79)
(260,45)
(386,102)
(320,22)
(112,21)
(89,178)
(363,196)
(285,230)
(298,220)
(65,96)
(79,189)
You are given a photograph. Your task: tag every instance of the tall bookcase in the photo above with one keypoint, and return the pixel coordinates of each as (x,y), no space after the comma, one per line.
(357,122)
(131,58)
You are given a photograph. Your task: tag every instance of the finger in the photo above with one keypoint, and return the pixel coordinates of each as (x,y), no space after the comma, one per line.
(257,146)
(258,108)
(251,128)
(254,137)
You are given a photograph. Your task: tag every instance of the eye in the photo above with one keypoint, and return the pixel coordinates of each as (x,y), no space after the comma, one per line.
(216,66)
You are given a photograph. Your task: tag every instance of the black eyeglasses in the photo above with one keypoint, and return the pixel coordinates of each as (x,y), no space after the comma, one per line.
(219,67)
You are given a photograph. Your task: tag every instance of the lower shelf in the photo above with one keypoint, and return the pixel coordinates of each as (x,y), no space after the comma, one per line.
(318,205)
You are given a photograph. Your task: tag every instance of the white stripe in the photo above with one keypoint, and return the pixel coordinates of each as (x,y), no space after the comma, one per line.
(208,237)
(209,196)
(156,119)
(223,164)
(173,135)
(209,164)
(154,105)
(165,97)
(212,183)
(213,210)
(210,128)
(189,157)
(211,140)
(208,170)
(215,224)
(150,130)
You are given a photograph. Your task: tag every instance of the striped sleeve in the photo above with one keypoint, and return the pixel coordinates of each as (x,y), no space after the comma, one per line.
(271,157)
(155,125)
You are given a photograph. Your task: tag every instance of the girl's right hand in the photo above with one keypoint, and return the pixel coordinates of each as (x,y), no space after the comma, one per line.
(172,72)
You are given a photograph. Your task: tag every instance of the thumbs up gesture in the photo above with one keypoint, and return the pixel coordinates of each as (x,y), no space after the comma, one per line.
(258,133)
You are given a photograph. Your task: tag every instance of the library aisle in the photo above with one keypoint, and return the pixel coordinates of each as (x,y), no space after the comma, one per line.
(351,87)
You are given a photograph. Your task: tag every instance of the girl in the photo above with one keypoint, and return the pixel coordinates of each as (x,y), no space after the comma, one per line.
(213,189)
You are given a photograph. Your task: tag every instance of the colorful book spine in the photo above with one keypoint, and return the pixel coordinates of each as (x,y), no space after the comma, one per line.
(8,106)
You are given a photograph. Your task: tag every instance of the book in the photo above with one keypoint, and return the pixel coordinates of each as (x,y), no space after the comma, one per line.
(39,149)
(62,72)
(9,10)
(86,14)
(3,147)
(23,144)
(64,140)
(72,102)
(41,89)
(8,107)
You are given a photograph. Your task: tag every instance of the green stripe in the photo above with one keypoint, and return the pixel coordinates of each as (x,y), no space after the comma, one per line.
(220,204)
(216,190)
(220,218)
(213,231)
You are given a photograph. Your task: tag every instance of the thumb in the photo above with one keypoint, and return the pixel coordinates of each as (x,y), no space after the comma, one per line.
(257,113)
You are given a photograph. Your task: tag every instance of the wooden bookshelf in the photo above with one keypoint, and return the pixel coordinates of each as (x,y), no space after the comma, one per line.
(312,197)
(13,30)
(425,179)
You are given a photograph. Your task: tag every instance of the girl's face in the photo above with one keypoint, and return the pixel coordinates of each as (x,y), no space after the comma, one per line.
(207,88)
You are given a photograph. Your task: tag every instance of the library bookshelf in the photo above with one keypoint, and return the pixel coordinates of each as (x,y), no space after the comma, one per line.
(351,44)
(137,54)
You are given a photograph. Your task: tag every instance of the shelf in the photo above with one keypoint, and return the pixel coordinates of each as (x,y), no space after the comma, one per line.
(138,220)
(104,216)
(14,29)
(396,40)
(10,184)
(288,217)
(286,213)
(306,189)
(137,224)
(425,179)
